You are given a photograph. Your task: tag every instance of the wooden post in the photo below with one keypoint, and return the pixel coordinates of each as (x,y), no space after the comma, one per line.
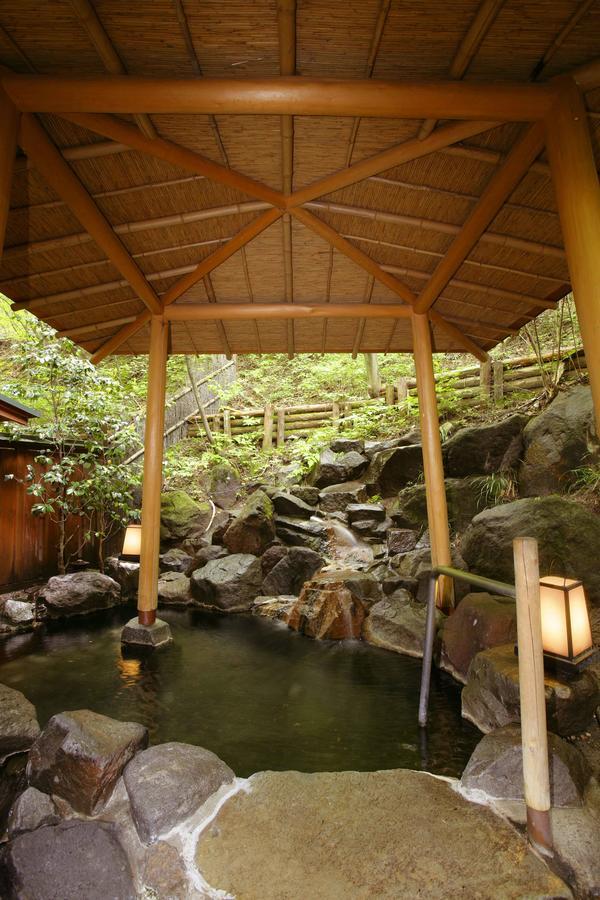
(153,457)
(335,411)
(498,380)
(281,426)
(402,390)
(227,422)
(372,364)
(268,427)
(485,378)
(389,395)
(435,488)
(578,196)
(531,688)
(9,119)
(198,399)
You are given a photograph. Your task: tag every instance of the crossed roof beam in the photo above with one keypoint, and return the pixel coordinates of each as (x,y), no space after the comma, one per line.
(57,172)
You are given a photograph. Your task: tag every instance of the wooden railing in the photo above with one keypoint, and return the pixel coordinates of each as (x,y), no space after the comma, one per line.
(493,380)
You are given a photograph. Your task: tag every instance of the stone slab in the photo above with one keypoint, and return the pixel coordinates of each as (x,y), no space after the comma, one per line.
(156,635)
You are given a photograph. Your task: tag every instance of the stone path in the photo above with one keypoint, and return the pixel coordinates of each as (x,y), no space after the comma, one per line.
(358,836)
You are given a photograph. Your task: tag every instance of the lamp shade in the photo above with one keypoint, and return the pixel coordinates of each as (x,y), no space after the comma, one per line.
(566,630)
(132,542)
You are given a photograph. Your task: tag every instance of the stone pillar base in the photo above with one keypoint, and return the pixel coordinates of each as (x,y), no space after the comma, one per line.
(156,635)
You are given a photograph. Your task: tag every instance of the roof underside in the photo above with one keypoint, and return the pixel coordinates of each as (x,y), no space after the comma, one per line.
(159,210)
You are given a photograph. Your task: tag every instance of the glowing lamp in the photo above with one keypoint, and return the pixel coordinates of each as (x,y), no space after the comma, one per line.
(566,630)
(132,543)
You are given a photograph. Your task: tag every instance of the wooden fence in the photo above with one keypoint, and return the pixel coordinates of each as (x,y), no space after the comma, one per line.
(494,380)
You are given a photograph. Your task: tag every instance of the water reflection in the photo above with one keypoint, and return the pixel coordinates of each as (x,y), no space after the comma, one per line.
(257,694)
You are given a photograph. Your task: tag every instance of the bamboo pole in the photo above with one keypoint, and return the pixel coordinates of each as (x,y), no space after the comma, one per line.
(534,736)
(280,96)
(578,195)
(435,488)
(9,120)
(198,399)
(152,484)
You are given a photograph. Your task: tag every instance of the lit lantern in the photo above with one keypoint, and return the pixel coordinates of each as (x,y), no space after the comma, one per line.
(566,630)
(132,543)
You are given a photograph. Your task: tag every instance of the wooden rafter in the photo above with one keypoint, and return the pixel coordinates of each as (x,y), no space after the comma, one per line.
(573,20)
(207,265)
(212,298)
(500,187)
(37,145)
(111,60)
(368,293)
(468,47)
(191,312)
(286,26)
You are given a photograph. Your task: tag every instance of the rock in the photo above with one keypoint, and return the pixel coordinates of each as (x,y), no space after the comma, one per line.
(354,463)
(568,536)
(288,505)
(18,722)
(334,468)
(126,573)
(347,445)
(308,494)
(180,515)
(174,589)
(465,497)
(481,450)
(496,767)
(146,637)
(416,564)
(398,624)
(174,560)
(271,557)
(169,782)
(480,621)
(82,592)
(204,555)
(290,573)
(80,755)
(254,528)
(164,873)
(371,529)
(274,607)
(360,512)
(560,439)
(70,861)
(490,698)
(13,782)
(301,533)
(391,470)
(223,485)
(401,540)
(228,584)
(337,497)
(31,810)
(19,612)
(327,609)
(373,447)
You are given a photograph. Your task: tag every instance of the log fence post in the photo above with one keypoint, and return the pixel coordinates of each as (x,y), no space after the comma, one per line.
(498,380)
(389,395)
(281,426)
(268,427)
(402,390)
(227,422)
(485,379)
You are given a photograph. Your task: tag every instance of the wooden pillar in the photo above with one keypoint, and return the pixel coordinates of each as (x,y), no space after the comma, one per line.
(435,489)
(153,457)
(372,364)
(578,196)
(534,737)
(9,119)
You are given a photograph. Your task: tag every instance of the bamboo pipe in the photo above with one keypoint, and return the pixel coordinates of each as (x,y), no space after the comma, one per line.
(493,157)
(286,24)
(578,195)
(534,736)
(95,327)
(499,188)
(561,37)
(9,121)
(279,96)
(435,488)
(36,144)
(152,483)
(80,151)
(193,312)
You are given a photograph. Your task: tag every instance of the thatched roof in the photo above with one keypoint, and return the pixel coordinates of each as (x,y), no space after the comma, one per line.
(168,218)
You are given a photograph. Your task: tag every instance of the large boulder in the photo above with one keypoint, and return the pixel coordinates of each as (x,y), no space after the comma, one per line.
(19,726)
(204,555)
(167,783)
(496,768)
(80,755)
(337,497)
(277,607)
(31,810)
(490,698)
(301,533)
(567,533)
(174,560)
(479,622)
(327,609)
(126,573)
(174,589)
(180,515)
(69,861)
(271,557)
(398,623)
(333,468)
(229,584)
(13,781)
(287,504)
(79,593)
(391,470)
(305,492)
(347,445)
(290,573)
(464,497)
(557,441)
(254,528)
(416,566)
(481,450)
(223,485)
(362,512)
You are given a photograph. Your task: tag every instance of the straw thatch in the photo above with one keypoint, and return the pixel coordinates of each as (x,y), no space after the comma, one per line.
(169,218)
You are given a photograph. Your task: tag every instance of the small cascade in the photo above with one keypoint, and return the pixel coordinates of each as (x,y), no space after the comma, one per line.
(344,546)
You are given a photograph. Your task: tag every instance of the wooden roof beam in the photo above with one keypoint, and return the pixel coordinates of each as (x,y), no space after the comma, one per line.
(243,237)
(490,156)
(560,38)
(286,26)
(37,145)
(169,152)
(194,312)
(280,96)
(482,22)
(498,190)
(113,64)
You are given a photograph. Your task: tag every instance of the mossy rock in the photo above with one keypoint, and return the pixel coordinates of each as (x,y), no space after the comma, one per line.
(464,497)
(254,528)
(180,515)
